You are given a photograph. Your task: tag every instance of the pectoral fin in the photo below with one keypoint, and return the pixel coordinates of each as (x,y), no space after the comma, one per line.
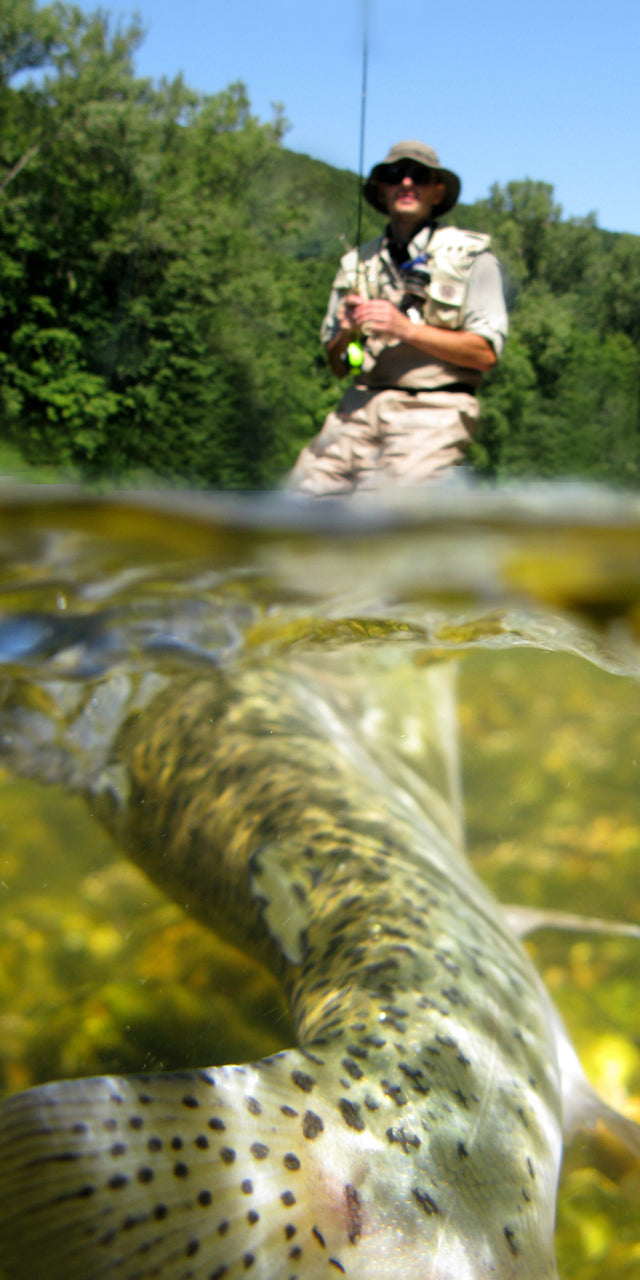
(526,920)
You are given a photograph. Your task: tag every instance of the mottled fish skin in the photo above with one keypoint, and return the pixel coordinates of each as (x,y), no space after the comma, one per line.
(415,1132)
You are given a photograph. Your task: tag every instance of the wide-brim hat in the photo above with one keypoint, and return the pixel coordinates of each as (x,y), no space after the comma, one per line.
(423,154)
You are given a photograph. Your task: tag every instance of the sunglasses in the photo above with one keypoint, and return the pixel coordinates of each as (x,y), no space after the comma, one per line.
(392,173)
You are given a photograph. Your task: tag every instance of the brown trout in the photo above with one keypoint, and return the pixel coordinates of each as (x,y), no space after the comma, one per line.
(416,1131)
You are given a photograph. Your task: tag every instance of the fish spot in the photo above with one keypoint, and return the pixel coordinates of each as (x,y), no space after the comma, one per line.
(302,1081)
(416,1076)
(350,1112)
(394,1091)
(136,1122)
(253,1106)
(223,1227)
(354,1212)
(217,1124)
(145,1174)
(289,1111)
(290,1161)
(202,1141)
(259,1151)
(290,1231)
(338,1265)
(462,1151)
(108,1237)
(252,1217)
(180,1169)
(357,1051)
(288,1198)
(144,1099)
(118,1149)
(511,1241)
(80,1127)
(454,996)
(177,1144)
(154,1144)
(319,1237)
(227,1155)
(425,1201)
(189,1101)
(404,1139)
(192,1248)
(246,1186)
(110,1124)
(248,1261)
(118,1181)
(532,1172)
(160,1212)
(295,1251)
(204,1199)
(312,1125)
(447,1042)
(352,1069)
(371,1103)
(219,1272)
(395,1011)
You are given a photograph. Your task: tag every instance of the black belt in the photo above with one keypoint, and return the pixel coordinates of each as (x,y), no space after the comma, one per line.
(466,387)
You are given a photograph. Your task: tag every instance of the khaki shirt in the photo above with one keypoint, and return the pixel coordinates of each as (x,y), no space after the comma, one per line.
(397,364)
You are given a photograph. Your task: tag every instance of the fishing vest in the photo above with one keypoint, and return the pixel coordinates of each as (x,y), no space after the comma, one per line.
(449,254)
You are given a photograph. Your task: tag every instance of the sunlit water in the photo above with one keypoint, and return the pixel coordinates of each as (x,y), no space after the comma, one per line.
(538,596)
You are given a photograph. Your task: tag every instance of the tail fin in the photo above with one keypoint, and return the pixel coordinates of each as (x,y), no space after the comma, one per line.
(196,1174)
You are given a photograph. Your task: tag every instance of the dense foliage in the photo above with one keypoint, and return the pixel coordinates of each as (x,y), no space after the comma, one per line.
(165,264)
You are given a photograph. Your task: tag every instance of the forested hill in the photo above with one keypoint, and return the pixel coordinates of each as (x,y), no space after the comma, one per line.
(165,263)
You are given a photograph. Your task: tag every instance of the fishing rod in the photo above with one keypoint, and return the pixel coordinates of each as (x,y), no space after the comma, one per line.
(355,353)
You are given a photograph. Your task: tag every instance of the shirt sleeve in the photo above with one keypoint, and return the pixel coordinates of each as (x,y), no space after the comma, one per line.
(485,310)
(342,285)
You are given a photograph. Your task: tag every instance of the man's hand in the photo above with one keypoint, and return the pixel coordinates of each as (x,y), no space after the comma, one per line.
(381,318)
(346,312)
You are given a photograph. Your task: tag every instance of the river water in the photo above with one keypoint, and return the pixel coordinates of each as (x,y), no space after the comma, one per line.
(535,593)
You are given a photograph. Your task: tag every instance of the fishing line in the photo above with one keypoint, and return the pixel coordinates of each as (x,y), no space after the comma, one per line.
(363,118)
(354,350)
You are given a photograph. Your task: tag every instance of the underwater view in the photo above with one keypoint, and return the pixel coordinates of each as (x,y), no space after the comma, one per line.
(529,601)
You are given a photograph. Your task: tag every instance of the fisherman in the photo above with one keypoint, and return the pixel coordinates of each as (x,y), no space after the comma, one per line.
(419,315)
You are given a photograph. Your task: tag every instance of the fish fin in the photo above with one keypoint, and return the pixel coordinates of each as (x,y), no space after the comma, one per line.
(525,920)
(582,1105)
(193,1174)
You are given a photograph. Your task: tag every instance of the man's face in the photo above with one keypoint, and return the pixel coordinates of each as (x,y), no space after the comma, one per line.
(411,193)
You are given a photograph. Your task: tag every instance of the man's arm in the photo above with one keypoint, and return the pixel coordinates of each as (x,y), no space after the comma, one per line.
(453,346)
(347,332)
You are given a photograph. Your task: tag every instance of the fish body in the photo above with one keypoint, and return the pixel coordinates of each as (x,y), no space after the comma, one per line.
(416,1130)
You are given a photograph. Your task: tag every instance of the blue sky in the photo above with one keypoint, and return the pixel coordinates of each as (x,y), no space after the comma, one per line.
(503,91)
